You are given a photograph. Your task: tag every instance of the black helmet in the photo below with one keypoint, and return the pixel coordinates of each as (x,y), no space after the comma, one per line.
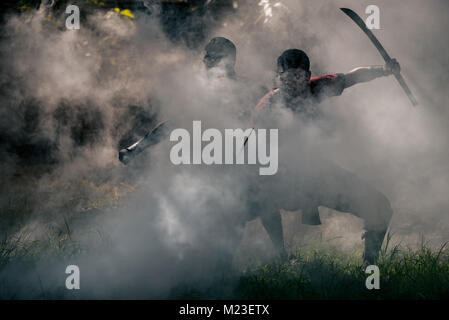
(219,48)
(293,58)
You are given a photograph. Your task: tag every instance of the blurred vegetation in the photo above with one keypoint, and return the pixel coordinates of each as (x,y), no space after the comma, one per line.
(314,273)
(184,21)
(320,274)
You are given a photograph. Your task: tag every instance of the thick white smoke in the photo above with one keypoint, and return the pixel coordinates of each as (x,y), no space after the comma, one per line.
(176,225)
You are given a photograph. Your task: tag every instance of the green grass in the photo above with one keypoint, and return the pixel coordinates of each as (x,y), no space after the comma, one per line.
(317,271)
(55,243)
(322,273)
(313,273)
(422,274)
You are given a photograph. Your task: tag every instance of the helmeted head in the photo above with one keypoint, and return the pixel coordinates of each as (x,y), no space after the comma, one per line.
(293,69)
(220,53)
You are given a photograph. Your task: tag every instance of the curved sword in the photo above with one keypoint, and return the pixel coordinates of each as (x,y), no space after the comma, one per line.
(355,17)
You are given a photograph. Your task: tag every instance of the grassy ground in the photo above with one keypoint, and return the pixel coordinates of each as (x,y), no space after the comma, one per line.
(314,272)
(421,274)
(322,274)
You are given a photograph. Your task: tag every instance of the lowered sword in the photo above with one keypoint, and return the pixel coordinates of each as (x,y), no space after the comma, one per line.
(355,17)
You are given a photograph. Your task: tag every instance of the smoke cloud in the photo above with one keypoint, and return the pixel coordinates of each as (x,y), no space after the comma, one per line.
(71,99)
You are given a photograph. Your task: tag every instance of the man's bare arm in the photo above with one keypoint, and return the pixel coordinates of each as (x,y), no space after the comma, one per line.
(365,74)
